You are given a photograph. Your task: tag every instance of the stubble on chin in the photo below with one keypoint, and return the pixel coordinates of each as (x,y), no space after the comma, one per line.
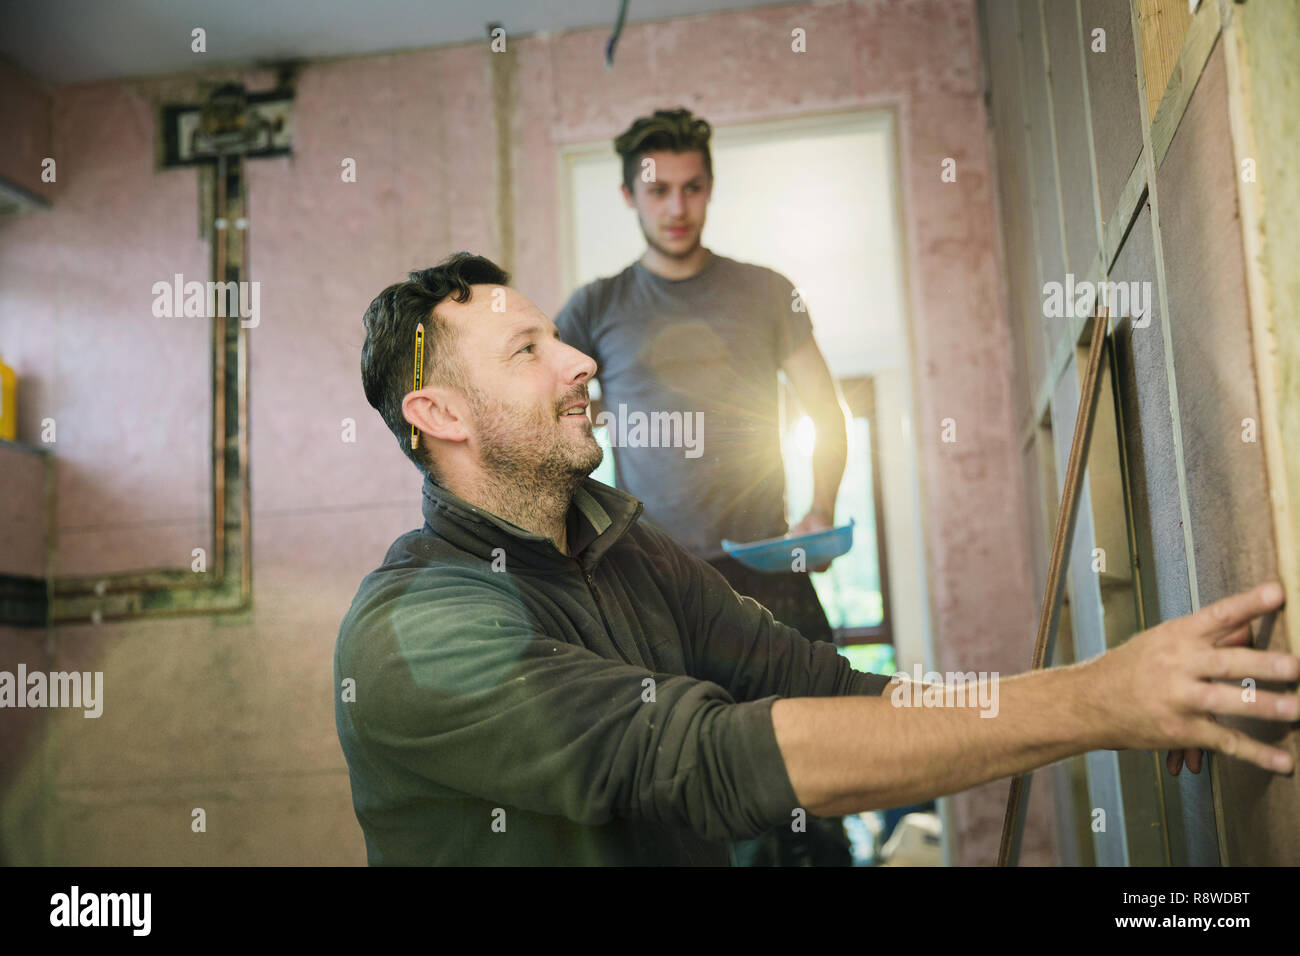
(590,455)
(535,455)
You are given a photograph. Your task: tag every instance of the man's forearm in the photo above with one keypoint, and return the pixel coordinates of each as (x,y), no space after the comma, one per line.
(851,754)
(830,455)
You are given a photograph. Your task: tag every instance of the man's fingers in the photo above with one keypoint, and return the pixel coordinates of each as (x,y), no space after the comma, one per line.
(1263,705)
(1233,743)
(1174,760)
(1234,663)
(1225,616)
(1241,637)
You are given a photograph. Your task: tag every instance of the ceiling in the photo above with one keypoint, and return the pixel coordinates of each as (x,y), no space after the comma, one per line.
(78,41)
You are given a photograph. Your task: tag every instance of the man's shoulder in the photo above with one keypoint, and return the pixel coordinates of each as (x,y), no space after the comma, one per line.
(595,297)
(420,552)
(752,274)
(418,562)
(423,555)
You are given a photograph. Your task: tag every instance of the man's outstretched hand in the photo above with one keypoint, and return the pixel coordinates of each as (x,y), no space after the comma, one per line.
(1194,759)
(1161,689)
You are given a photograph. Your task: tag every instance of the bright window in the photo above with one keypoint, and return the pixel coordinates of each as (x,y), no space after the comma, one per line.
(853,591)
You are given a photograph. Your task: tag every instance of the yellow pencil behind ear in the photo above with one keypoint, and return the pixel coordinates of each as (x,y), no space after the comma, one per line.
(419,375)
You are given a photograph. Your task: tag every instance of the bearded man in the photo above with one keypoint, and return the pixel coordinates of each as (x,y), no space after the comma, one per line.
(537,676)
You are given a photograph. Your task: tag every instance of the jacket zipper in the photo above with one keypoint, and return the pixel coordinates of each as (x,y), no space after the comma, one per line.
(595,596)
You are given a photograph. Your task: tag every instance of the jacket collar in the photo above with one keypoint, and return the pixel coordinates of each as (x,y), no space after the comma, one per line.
(598,516)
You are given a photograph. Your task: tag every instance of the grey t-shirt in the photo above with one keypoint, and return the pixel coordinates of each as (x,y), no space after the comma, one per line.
(688,374)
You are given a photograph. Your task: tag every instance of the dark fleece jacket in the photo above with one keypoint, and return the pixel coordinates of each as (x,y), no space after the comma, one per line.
(511,704)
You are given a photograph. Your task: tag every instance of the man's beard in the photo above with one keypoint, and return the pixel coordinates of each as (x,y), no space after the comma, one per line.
(529,462)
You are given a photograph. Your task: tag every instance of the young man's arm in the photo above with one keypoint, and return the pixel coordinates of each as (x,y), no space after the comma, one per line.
(811,379)
(1156,691)
(809,376)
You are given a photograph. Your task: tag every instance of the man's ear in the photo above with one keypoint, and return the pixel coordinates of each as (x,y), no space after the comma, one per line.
(628,197)
(437,412)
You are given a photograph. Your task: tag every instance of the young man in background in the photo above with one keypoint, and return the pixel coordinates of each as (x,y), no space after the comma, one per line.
(685,330)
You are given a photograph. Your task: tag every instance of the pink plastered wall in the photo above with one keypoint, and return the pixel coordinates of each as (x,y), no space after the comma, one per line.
(422,130)
(25,135)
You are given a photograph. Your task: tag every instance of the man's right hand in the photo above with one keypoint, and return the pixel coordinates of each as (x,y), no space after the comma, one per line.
(1160,690)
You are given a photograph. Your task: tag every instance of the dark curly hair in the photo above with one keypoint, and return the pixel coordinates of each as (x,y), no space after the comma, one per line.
(677,131)
(388,355)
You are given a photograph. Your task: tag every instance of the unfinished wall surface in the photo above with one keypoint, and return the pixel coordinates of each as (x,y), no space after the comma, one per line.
(234,713)
(1261,46)
(1163,26)
(1204,377)
(1040,148)
(1149,437)
(1267,38)
(22,510)
(27,141)
(1112,93)
(1213,357)
(1018,244)
(1074,158)
(24,545)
